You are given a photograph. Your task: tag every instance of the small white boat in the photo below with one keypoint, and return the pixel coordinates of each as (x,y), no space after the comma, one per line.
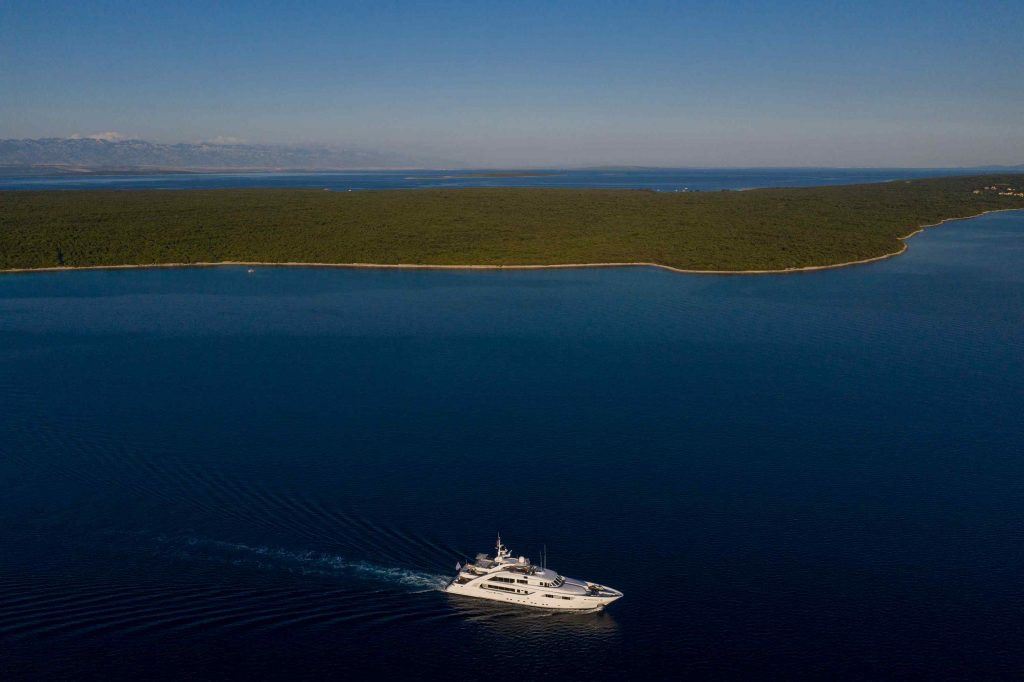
(516,581)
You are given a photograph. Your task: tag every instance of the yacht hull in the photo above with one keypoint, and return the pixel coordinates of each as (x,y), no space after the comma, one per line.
(512,580)
(580,603)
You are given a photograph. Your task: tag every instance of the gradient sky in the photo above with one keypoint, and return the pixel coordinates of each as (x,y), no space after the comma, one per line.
(524,83)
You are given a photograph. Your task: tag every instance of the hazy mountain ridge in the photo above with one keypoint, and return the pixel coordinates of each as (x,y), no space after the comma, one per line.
(89,153)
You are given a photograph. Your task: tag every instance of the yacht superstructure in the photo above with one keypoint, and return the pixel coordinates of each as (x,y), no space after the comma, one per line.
(517,581)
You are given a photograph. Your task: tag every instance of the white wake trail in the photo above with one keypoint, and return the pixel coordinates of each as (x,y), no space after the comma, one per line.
(307,562)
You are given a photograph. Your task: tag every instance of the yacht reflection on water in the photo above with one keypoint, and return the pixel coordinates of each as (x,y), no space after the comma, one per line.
(505,631)
(510,620)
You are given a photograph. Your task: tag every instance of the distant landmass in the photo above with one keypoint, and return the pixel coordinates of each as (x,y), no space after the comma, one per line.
(86,155)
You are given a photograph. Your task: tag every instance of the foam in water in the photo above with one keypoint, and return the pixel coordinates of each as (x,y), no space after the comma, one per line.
(307,562)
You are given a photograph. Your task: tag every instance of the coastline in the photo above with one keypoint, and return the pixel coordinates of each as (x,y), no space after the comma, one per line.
(558,266)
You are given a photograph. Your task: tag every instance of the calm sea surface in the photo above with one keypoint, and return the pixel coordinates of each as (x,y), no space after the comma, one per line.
(662,180)
(208,473)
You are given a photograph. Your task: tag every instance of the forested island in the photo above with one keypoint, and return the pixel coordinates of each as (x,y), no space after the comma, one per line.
(728,231)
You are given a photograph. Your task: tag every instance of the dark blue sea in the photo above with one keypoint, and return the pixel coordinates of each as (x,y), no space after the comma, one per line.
(661,180)
(210,474)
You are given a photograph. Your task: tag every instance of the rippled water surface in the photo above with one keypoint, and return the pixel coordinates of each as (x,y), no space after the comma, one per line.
(205,472)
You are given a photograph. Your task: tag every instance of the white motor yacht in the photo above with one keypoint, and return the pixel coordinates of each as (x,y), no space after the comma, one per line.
(516,581)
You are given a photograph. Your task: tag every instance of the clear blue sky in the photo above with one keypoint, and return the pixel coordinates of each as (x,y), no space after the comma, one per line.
(524,83)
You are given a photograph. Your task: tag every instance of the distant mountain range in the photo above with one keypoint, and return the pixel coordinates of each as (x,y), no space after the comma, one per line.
(83,155)
(108,152)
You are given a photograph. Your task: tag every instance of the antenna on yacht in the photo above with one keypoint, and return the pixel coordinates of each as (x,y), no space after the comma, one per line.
(544,558)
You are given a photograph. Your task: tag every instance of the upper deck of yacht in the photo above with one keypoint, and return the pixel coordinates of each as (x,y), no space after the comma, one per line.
(516,574)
